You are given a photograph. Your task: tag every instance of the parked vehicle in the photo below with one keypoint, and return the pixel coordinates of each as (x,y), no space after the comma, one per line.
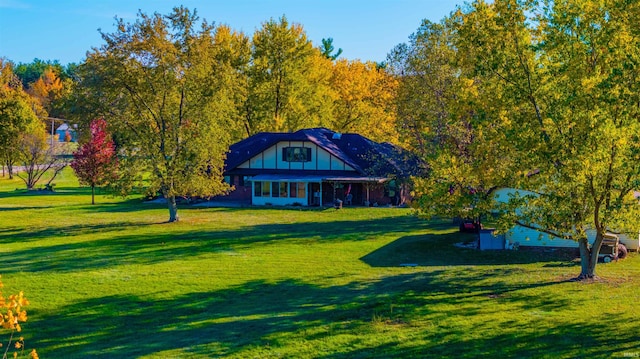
(531,237)
(470,226)
(609,250)
(528,237)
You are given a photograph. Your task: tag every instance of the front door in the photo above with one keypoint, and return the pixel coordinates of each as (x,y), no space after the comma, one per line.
(314,194)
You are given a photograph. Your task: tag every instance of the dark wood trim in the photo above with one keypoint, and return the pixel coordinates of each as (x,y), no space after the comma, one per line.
(289,164)
(303,142)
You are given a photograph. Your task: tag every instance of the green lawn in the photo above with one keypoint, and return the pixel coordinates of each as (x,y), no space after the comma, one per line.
(113,280)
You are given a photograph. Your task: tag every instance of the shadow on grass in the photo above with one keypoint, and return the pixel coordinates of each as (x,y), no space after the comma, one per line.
(274,317)
(126,244)
(128,205)
(18,208)
(9,235)
(59,191)
(439,250)
(153,246)
(596,339)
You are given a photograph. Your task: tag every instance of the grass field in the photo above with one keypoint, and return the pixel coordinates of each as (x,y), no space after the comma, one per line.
(114,280)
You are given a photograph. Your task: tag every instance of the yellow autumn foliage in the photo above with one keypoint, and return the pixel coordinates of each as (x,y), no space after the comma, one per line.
(12,314)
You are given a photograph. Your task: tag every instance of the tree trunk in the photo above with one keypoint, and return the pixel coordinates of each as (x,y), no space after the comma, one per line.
(30,181)
(9,169)
(173,208)
(93,194)
(56,171)
(589,257)
(585,260)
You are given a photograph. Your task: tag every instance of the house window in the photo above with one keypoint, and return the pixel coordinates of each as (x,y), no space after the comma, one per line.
(266,189)
(297,189)
(296,154)
(279,189)
(283,189)
(257,189)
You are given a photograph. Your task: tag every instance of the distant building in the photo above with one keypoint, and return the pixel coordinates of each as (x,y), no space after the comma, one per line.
(64,132)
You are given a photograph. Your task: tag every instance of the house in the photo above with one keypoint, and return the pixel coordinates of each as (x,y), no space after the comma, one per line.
(66,133)
(316,167)
(531,237)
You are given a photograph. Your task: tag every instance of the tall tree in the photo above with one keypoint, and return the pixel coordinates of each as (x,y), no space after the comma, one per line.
(363,101)
(29,73)
(549,89)
(288,80)
(48,82)
(48,90)
(232,52)
(17,115)
(95,162)
(158,83)
(328,49)
(592,52)
(429,85)
(437,118)
(38,157)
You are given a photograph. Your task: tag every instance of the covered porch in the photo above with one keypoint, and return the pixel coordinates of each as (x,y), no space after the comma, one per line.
(315,190)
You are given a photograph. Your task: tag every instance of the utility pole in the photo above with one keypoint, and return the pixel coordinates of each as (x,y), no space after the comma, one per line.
(53,119)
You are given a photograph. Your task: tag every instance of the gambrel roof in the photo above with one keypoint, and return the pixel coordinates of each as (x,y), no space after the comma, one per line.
(367,157)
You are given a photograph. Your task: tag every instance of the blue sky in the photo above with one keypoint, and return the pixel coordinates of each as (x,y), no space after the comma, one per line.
(65,30)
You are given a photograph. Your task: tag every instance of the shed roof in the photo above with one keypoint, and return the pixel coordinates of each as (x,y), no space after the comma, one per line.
(66,127)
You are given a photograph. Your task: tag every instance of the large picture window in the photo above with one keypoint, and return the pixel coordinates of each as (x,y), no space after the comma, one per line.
(296,154)
(280,189)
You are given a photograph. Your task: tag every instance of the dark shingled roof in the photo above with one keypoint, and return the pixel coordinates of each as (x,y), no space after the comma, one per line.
(367,157)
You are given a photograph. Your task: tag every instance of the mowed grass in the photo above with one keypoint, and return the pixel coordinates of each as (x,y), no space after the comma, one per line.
(114,280)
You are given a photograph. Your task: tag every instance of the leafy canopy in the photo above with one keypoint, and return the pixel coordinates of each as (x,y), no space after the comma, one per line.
(159,85)
(523,88)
